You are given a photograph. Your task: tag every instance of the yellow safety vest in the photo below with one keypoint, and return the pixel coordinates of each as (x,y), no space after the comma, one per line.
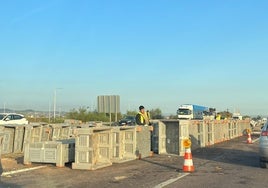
(142,118)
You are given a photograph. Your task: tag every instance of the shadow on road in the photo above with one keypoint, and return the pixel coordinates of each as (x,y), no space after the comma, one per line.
(3,184)
(171,165)
(235,151)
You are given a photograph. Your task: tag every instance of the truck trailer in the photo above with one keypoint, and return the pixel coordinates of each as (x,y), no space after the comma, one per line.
(191,111)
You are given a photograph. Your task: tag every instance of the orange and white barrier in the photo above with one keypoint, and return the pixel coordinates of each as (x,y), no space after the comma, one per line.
(249,140)
(188,165)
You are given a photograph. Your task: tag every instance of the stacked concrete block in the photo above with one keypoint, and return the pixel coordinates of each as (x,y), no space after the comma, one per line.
(60,131)
(232,131)
(33,133)
(172,136)
(201,132)
(236,131)
(197,132)
(8,140)
(210,133)
(65,132)
(1,143)
(83,149)
(123,144)
(221,131)
(158,137)
(201,136)
(56,131)
(18,137)
(183,134)
(93,148)
(46,133)
(143,141)
(176,132)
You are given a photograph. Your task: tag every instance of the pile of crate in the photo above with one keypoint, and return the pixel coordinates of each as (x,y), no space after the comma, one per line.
(15,137)
(89,148)
(101,147)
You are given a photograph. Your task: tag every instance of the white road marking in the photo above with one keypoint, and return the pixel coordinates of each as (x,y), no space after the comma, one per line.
(120,178)
(21,170)
(170,181)
(255,140)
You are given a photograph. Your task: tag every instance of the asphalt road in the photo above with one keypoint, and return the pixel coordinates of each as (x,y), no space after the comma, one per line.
(230,164)
(234,164)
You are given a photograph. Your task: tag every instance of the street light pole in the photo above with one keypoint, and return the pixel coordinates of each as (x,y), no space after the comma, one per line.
(55,102)
(49,112)
(55,98)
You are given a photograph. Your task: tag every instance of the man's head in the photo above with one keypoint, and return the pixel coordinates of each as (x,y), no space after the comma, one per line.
(142,109)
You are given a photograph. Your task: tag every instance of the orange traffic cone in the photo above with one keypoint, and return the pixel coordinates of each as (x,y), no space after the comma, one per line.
(188,161)
(249,140)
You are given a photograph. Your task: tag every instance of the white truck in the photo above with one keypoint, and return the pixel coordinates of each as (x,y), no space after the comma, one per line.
(191,111)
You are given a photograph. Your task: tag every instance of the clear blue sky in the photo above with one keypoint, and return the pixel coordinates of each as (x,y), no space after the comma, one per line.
(157,53)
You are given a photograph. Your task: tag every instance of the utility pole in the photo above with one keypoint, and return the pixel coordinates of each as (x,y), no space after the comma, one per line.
(49,112)
(55,98)
(55,102)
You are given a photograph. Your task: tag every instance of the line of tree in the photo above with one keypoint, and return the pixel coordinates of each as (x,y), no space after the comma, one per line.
(84,115)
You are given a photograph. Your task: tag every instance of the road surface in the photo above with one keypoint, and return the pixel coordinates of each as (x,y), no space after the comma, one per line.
(229,164)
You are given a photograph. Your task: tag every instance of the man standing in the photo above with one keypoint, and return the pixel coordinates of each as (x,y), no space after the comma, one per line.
(141,117)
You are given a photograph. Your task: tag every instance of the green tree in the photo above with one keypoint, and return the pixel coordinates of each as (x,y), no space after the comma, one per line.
(131,113)
(246,117)
(156,114)
(173,117)
(257,118)
(85,116)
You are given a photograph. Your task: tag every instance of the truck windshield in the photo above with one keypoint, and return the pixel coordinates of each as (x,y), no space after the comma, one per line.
(184,112)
